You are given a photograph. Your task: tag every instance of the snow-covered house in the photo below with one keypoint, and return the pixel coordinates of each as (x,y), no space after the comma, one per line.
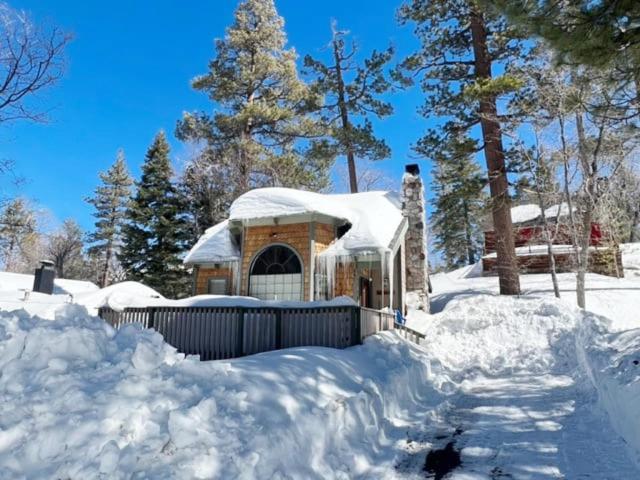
(285,244)
(531,249)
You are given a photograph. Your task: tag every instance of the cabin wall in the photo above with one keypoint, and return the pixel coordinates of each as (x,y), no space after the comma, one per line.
(345,280)
(307,239)
(534,235)
(257,238)
(204,274)
(606,261)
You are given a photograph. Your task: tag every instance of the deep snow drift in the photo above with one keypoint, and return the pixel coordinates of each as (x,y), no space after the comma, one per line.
(522,388)
(81,401)
(518,384)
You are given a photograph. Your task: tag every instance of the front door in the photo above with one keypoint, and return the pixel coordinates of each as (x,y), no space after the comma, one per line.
(365,292)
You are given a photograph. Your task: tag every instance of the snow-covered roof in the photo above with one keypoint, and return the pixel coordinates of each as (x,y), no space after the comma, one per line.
(216,245)
(375,218)
(530,212)
(283,202)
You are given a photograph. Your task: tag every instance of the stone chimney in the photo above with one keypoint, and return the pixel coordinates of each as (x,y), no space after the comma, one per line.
(413,208)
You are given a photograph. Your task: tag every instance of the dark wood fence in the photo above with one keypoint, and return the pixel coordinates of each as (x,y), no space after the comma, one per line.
(229,332)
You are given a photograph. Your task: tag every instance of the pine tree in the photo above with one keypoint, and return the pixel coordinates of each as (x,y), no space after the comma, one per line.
(17,235)
(352,94)
(604,34)
(155,233)
(591,32)
(110,201)
(462,45)
(458,206)
(262,107)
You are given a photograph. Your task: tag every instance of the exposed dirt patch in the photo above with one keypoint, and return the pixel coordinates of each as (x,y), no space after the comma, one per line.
(440,462)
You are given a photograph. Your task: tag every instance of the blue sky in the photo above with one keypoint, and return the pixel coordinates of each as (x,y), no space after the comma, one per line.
(128,74)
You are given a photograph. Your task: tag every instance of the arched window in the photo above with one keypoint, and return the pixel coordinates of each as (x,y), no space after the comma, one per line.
(276,274)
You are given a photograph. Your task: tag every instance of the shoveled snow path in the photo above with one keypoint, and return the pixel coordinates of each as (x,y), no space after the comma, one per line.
(521,403)
(535,427)
(525,427)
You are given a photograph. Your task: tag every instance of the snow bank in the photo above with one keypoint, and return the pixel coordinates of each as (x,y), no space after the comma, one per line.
(631,258)
(497,335)
(612,361)
(133,294)
(81,400)
(61,286)
(120,296)
(480,335)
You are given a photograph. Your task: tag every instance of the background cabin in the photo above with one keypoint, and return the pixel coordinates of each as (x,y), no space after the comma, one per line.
(531,248)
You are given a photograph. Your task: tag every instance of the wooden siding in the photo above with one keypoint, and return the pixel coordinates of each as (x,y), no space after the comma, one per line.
(258,238)
(203,274)
(606,261)
(345,280)
(534,235)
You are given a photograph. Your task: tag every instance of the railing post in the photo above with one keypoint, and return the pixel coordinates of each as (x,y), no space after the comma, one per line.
(278,329)
(240,333)
(151,317)
(356,328)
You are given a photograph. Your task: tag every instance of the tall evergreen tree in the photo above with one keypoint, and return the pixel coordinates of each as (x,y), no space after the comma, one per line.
(17,235)
(462,45)
(110,202)
(262,107)
(590,32)
(458,206)
(596,33)
(155,233)
(351,93)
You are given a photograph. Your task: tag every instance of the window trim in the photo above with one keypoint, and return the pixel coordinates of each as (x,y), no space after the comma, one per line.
(265,248)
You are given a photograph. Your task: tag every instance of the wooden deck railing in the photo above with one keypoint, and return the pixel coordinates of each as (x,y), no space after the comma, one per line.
(410,334)
(229,332)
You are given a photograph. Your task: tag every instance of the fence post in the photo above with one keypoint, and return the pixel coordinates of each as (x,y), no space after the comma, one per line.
(278,329)
(356,330)
(240,333)
(151,318)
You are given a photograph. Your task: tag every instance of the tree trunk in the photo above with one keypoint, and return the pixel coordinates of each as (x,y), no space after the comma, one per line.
(634,224)
(548,238)
(507,261)
(471,258)
(344,118)
(589,173)
(104,277)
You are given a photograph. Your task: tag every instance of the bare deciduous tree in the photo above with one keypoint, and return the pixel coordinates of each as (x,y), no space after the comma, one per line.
(65,250)
(31,59)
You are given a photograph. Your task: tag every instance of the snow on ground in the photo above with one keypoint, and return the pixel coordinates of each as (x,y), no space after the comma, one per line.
(117,296)
(61,286)
(82,401)
(615,298)
(539,390)
(631,259)
(522,388)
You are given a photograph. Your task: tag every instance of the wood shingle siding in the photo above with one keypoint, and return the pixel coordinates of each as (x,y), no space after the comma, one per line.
(203,274)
